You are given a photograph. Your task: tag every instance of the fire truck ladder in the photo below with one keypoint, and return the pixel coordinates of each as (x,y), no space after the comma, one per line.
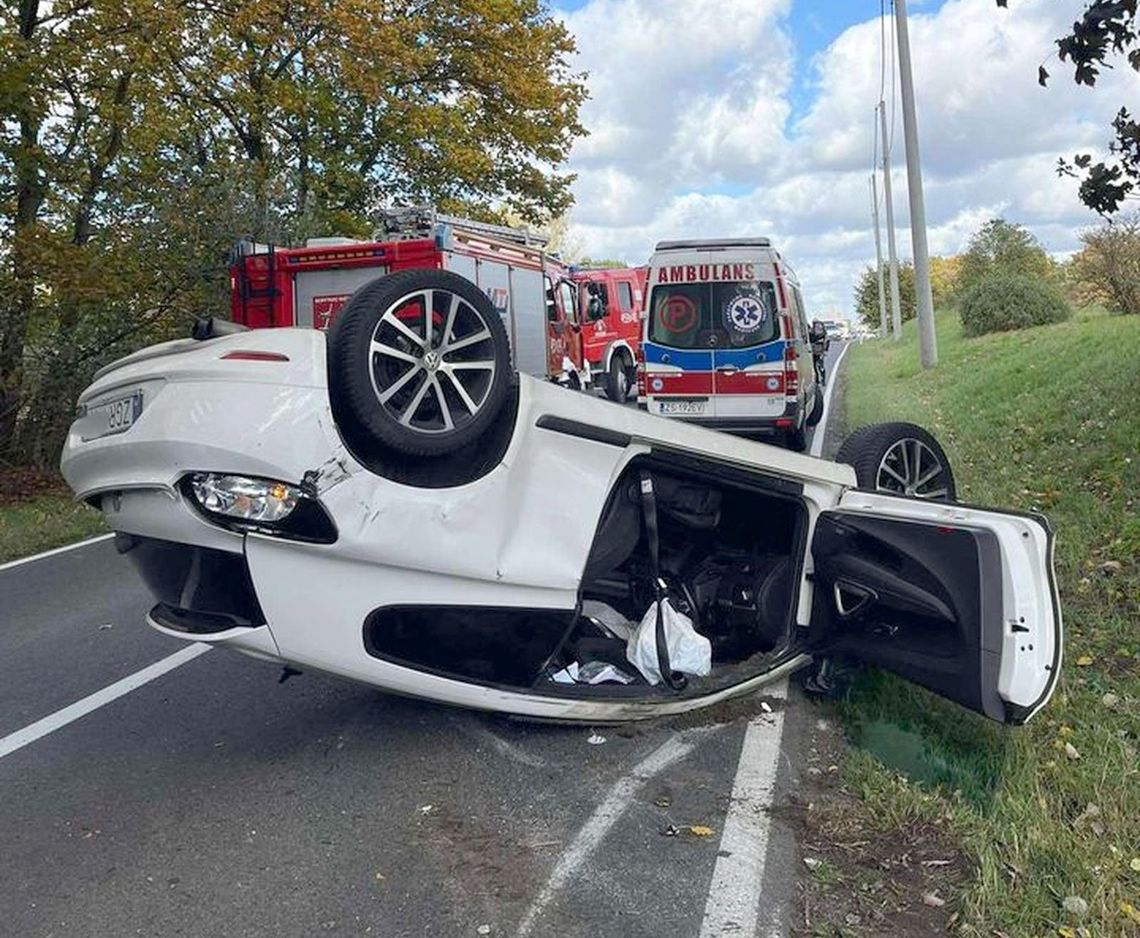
(412,222)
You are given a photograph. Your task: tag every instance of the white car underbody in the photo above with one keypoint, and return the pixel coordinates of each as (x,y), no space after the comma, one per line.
(519,536)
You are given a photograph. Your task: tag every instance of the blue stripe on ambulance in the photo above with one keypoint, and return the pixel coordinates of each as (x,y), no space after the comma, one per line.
(686,359)
(770,353)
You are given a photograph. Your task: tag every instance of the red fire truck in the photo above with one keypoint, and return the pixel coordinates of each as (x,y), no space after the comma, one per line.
(532,290)
(610,315)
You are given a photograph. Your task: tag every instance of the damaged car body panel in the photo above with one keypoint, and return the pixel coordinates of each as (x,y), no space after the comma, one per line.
(477,593)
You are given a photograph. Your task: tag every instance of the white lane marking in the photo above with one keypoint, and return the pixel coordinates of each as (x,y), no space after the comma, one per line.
(51,553)
(821,427)
(71,713)
(606,815)
(738,877)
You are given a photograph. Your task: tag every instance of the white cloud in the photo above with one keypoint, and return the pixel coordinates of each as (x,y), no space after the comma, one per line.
(691,131)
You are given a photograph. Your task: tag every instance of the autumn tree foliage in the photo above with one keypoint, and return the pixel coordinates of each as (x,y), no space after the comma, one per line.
(1106,33)
(139,139)
(1000,247)
(1108,266)
(867,294)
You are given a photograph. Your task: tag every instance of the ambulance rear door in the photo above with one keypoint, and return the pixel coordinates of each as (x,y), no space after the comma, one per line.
(678,351)
(748,355)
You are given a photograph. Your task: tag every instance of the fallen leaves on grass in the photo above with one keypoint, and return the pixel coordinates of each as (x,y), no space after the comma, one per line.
(1090,818)
(1075,906)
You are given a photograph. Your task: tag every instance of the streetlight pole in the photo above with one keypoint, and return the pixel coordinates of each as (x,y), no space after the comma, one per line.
(892,254)
(879,259)
(924,300)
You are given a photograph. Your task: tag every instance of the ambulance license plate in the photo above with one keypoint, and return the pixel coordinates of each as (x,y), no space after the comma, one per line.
(684,408)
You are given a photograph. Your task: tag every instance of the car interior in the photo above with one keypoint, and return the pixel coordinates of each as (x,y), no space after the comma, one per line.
(730,546)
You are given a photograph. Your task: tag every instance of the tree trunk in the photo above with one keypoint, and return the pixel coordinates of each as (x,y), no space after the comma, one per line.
(17,304)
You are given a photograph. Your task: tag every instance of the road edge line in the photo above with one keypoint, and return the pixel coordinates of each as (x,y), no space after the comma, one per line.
(19,561)
(737,883)
(69,714)
(821,428)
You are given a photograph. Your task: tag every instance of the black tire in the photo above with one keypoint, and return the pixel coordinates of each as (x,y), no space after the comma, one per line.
(901,459)
(816,414)
(405,395)
(796,440)
(617,379)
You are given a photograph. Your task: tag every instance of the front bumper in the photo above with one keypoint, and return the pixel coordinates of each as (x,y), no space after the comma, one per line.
(204,413)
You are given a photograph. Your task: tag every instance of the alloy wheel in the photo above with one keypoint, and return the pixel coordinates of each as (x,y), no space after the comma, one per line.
(432,361)
(910,467)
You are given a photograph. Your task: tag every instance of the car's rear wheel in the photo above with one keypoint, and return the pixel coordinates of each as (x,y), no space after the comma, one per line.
(901,459)
(419,361)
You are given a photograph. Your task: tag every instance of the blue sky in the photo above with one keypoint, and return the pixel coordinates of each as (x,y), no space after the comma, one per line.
(764,126)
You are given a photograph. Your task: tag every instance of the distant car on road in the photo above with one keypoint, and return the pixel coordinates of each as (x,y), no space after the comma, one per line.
(395,504)
(837,328)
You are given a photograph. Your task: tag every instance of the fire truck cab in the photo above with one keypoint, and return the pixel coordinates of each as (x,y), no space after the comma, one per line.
(273,286)
(610,313)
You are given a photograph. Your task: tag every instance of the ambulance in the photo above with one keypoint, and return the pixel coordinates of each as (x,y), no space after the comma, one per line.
(725,340)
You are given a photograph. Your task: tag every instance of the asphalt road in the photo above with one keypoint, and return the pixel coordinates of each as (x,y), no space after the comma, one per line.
(214,800)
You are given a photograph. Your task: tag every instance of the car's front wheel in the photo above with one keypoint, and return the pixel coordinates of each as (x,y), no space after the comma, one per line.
(419,362)
(901,459)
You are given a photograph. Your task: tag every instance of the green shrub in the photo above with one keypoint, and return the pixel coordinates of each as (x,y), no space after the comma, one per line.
(1010,301)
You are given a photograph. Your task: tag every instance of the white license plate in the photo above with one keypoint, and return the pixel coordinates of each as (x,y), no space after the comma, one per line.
(684,408)
(115,416)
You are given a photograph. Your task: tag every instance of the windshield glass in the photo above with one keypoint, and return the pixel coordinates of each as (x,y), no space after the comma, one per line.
(713,315)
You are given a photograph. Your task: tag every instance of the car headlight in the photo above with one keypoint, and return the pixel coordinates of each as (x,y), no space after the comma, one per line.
(243,497)
(267,506)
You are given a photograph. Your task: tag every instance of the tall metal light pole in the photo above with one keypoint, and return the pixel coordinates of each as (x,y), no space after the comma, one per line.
(892,254)
(879,259)
(927,342)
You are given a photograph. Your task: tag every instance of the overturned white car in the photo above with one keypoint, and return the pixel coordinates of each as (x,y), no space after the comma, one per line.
(395,505)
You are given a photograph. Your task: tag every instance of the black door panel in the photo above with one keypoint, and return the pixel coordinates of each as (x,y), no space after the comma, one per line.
(921,600)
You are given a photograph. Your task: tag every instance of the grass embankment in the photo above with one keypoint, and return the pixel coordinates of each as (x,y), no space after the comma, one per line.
(37,513)
(1046,419)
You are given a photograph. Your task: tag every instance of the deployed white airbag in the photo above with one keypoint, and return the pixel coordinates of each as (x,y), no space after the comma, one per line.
(689,651)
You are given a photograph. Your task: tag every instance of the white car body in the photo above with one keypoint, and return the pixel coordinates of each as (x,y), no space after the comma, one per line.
(519,536)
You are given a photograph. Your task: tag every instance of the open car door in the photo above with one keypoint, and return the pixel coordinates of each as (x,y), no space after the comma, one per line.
(957,599)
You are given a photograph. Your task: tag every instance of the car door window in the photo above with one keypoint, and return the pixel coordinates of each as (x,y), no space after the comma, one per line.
(551,305)
(801,315)
(569,296)
(625,296)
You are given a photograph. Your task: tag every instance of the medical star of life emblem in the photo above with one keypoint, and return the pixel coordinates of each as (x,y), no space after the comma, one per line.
(745,312)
